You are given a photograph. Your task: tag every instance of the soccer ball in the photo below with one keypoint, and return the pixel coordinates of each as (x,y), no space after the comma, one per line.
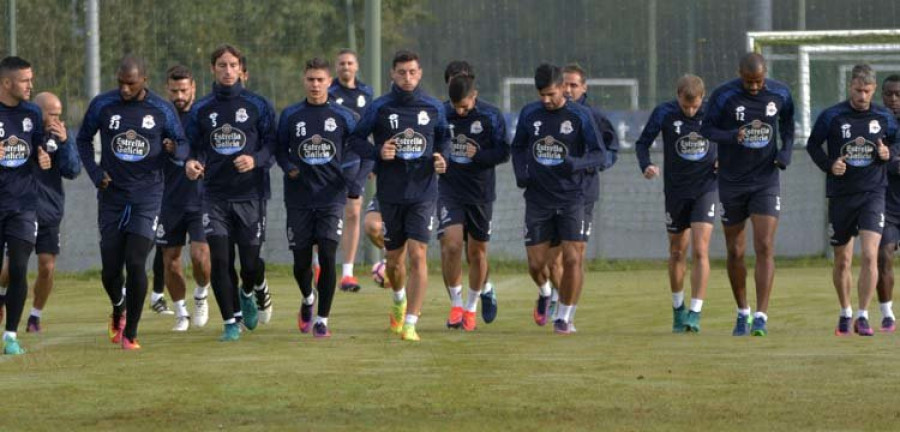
(378,275)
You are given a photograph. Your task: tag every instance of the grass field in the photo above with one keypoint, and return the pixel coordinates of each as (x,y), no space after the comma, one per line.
(623,370)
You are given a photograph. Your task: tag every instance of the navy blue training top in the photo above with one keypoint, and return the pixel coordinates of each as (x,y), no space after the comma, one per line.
(472,180)
(21,132)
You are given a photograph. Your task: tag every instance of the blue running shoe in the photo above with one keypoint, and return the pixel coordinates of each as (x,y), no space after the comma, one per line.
(232,333)
(692,323)
(561,327)
(11,346)
(759,327)
(249,310)
(741,326)
(489,305)
(679,315)
(541,310)
(843,327)
(862,328)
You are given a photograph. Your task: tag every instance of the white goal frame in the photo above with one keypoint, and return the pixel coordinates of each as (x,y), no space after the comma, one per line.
(631,84)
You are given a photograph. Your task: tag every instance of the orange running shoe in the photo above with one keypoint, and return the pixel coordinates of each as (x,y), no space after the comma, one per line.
(468,321)
(455,320)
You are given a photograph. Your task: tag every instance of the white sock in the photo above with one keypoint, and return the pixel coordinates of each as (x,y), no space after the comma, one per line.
(887,309)
(563,311)
(347,269)
(761,315)
(455,296)
(230,321)
(154,297)
(323,320)
(399,295)
(2,290)
(411,319)
(862,313)
(180,309)
(315,259)
(554,295)
(488,287)
(545,289)
(35,312)
(201,291)
(9,335)
(678,299)
(310,299)
(847,312)
(744,312)
(262,287)
(472,300)
(696,305)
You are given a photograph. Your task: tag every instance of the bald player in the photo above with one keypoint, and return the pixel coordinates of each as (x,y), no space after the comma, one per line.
(50,202)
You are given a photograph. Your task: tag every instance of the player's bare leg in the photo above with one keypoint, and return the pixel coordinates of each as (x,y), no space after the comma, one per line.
(451,269)
(42,287)
(736,245)
(174,277)
(395,269)
(201,267)
(476,251)
(418,275)
(571,284)
(538,256)
(764,228)
(372,224)
(868,277)
(349,243)
(842,278)
(885,286)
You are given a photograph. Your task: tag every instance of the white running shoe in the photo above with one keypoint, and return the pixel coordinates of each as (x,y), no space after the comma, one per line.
(264,304)
(201,311)
(182,324)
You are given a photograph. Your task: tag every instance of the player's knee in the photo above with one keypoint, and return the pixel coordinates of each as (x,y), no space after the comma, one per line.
(477,255)
(572,260)
(451,248)
(763,247)
(46,268)
(676,254)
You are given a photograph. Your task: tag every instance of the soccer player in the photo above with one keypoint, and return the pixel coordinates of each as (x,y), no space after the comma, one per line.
(745,117)
(467,193)
(347,90)
(890,96)
(691,191)
(557,143)
(858,134)
(410,133)
(22,151)
(575,85)
(182,214)
(232,135)
(313,141)
(133,122)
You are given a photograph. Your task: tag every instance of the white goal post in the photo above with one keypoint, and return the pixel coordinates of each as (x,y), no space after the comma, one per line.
(631,84)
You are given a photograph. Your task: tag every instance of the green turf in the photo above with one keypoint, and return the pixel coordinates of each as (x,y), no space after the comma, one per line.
(623,370)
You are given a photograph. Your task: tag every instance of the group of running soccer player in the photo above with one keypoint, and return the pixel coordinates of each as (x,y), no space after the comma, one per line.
(173,167)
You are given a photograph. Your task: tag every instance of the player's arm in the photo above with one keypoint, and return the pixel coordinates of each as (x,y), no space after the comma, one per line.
(283,145)
(713,127)
(610,139)
(648,135)
(175,132)
(892,140)
(85,141)
(349,168)
(266,127)
(519,153)
(359,138)
(498,152)
(442,134)
(69,164)
(786,129)
(594,149)
(814,145)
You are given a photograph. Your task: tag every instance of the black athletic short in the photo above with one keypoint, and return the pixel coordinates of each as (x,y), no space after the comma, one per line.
(849,214)
(47,241)
(737,208)
(243,221)
(475,218)
(306,227)
(402,222)
(175,224)
(681,213)
(554,224)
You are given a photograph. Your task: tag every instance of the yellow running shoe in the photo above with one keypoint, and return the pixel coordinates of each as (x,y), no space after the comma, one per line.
(409,333)
(398,312)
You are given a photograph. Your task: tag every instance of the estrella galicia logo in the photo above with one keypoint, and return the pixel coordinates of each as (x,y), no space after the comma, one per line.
(458,149)
(410,144)
(858,152)
(692,147)
(227,140)
(548,151)
(316,150)
(130,146)
(17,152)
(757,134)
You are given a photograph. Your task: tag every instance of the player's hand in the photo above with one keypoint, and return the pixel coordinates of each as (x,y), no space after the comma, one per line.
(651,172)
(43,159)
(440,165)
(58,128)
(193,169)
(389,150)
(244,163)
(716,167)
(883,152)
(105,182)
(471,150)
(294,173)
(839,167)
(740,136)
(169,145)
(2,150)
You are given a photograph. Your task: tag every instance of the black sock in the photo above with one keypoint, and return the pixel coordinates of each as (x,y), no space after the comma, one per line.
(19,252)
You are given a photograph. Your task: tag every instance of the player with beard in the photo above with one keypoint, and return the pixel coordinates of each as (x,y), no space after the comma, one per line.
(890,97)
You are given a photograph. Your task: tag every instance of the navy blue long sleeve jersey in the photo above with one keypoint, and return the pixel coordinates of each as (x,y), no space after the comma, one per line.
(21,133)
(473,181)
(314,139)
(853,135)
(892,195)
(357,99)
(419,125)
(553,150)
(750,165)
(610,143)
(64,163)
(689,158)
(227,123)
(181,192)
(131,148)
